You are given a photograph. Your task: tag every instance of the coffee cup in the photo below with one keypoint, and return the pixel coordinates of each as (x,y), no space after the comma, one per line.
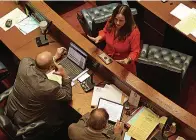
(43,25)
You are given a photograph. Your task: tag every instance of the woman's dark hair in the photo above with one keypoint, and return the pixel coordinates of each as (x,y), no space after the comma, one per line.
(129,21)
(98,119)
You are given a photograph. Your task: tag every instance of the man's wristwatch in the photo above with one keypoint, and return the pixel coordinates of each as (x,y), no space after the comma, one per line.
(54,60)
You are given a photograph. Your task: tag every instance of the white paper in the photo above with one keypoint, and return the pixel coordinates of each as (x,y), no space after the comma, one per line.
(194,33)
(54,77)
(134,99)
(27,25)
(83,77)
(181,11)
(180,138)
(188,24)
(58,78)
(15,15)
(106,93)
(127,137)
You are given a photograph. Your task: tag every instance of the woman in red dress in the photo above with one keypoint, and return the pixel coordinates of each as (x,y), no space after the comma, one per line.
(122,38)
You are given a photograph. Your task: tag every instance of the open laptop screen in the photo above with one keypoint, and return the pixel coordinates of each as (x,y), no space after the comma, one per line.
(114,109)
(77,55)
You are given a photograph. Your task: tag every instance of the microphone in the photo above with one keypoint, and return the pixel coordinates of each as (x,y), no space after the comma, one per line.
(48,26)
(42,40)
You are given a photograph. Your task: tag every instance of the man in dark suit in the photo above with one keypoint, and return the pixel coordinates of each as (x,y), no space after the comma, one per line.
(92,127)
(35,97)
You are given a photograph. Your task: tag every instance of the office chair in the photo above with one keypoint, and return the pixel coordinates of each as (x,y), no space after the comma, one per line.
(94,19)
(4,73)
(12,131)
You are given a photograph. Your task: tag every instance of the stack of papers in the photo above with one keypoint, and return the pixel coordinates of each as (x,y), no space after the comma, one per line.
(109,92)
(19,19)
(27,25)
(187,25)
(54,77)
(142,124)
(15,15)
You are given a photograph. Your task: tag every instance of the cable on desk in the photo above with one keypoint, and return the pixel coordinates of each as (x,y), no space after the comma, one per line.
(52,41)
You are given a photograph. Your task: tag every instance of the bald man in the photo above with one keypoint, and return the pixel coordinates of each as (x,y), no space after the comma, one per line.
(92,127)
(34,96)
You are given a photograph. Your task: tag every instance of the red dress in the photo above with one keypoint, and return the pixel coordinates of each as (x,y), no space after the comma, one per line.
(119,50)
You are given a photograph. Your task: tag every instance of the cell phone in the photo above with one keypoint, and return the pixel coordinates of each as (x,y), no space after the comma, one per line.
(105,58)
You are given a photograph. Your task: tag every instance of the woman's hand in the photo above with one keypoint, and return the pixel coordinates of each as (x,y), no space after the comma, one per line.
(95,39)
(124,61)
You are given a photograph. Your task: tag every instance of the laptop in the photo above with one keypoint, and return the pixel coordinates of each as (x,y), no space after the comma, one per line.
(114,110)
(75,61)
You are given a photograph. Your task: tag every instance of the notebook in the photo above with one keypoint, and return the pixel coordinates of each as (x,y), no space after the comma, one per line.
(114,110)
(75,61)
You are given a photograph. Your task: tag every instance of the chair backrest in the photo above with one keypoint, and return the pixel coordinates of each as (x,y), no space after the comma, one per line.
(31,131)
(9,129)
(96,17)
(163,69)
(6,125)
(3,71)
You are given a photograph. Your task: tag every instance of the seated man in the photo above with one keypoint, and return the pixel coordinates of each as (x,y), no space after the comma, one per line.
(35,97)
(92,127)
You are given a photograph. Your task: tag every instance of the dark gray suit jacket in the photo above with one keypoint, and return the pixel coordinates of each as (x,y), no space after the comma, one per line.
(35,97)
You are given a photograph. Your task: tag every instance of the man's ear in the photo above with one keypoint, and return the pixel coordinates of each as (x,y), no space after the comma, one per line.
(106,124)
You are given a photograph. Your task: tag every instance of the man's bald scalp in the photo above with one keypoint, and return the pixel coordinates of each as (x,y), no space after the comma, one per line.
(44,60)
(98,119)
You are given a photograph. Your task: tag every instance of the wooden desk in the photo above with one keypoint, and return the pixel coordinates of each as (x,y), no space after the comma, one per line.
(13,37)
(162,10)
(167,106)
(115,72)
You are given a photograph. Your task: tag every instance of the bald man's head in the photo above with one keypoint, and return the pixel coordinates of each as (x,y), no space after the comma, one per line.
(98,119)
(44,60)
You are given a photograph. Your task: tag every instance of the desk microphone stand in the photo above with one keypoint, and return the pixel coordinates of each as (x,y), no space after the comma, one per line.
(42,40)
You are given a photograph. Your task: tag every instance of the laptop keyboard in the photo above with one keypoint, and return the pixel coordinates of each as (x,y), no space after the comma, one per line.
(71,68)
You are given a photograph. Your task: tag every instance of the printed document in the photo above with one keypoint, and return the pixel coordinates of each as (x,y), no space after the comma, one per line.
(145,122)
(54,77)
(15,15)
(106,93)
(27,25)
(188,24)
(181,11)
